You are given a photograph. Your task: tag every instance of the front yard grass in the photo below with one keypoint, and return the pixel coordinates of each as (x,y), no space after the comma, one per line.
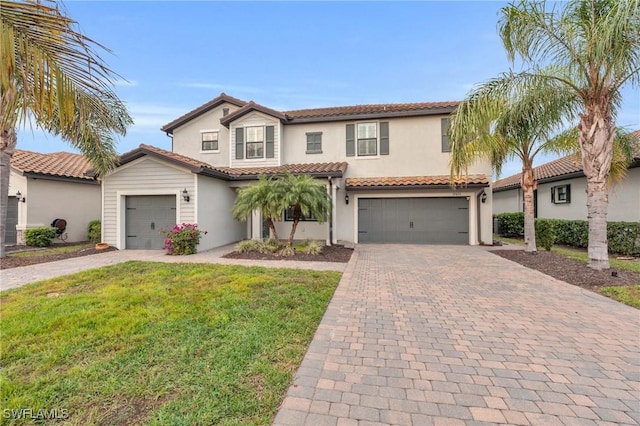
(155,343)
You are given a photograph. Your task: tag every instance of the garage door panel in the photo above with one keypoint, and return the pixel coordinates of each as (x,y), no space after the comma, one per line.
(146,217)
(413,220)
(10,233)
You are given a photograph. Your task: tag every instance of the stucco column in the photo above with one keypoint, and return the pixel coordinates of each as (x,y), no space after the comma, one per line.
(334,215)
(256,225)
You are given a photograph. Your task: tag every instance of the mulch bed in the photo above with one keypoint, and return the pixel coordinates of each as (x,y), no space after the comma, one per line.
(329,254)
(14,262)
(570,270)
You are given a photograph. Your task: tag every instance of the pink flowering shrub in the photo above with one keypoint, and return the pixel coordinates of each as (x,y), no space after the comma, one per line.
(182,239)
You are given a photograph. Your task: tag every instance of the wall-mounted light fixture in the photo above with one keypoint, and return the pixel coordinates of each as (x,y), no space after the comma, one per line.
(20,197)
(346,198)
(185,195)
(483,197)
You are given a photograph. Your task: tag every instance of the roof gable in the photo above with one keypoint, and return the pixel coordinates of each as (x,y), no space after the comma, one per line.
(248,108)
(215,102)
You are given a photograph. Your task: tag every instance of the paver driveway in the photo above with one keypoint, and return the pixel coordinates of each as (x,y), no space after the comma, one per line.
(421,335)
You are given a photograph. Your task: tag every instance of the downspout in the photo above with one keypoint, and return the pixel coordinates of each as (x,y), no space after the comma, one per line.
(479,223)
(331,213)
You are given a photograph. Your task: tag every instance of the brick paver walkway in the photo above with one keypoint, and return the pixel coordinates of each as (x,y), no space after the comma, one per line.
(422,335)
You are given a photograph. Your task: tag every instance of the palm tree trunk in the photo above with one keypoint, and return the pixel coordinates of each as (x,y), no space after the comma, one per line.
(595,134)
(8,140)
(528,186)
(294,225)
(272,226)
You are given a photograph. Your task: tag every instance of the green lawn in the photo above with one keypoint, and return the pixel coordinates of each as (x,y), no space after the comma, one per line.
(154,343)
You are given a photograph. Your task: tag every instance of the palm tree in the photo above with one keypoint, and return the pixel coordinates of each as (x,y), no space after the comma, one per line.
(265,196)
(489,127)
(585,50)
(306,197)
(52,74)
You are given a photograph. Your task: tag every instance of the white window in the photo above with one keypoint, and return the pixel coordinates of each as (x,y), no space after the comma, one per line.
(561,194)
(367,139)
(255,142)
(210,141)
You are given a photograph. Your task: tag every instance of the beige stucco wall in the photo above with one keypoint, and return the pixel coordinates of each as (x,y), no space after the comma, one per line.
(624,200)
(17,183)
(46,200)
(214,215)
(507,201)
(145,176)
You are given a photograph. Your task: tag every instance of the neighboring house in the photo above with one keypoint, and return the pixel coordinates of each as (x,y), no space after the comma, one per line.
(561,192)
(45,187)
(385,166)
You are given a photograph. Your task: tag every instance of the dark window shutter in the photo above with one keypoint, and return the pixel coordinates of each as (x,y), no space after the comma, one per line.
(351,140)
(239,143)
(568,193)
(384,138)
(270,141)
(446,145)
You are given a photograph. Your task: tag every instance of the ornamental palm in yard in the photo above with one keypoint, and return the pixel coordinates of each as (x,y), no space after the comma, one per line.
(582,52)
(490,127)
(306,197)
(265,196)
(51,73)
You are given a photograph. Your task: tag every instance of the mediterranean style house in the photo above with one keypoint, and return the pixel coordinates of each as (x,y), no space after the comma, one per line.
(386,168)
(45,187)
(561,192)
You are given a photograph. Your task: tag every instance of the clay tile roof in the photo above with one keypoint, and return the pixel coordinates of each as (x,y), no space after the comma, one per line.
(59,164)
(251,106)
(316,169)
(569,165)
(414,181)
(228,173)
(219,100)
(385,109)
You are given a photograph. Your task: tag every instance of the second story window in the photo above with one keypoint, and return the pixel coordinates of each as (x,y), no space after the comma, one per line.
(314,143)
(368,139)
(210,141)
(255,142)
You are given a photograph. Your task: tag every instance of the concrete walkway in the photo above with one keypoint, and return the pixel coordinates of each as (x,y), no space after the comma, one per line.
(424,335)
(17,277)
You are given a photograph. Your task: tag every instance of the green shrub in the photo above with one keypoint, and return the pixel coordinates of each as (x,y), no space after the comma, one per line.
(573,233)
(545,234)
(269,246)
(183,239)
(624,237)
(511,224)
(40,237)
(287,251)
(94,231)
(246,246)
(312,247)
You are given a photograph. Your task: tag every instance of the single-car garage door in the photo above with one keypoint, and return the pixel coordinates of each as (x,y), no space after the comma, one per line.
(146,217)
(413,220)
(10,234)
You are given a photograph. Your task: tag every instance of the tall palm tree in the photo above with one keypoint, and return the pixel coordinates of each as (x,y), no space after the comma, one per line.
(306,196)
(265,196)
(489,127)
(585,50)
(51,74)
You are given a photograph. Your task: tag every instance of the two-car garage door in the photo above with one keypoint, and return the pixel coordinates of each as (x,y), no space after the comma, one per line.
(413,220)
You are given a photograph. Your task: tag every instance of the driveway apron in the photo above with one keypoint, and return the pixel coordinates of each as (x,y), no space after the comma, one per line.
(422,335)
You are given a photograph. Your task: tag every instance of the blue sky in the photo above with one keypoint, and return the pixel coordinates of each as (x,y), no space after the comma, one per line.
(175,56)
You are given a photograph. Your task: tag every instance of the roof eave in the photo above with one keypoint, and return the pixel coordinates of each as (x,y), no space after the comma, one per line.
(170,127)
(374,115)
(333,174)
(427,186)
(60,178)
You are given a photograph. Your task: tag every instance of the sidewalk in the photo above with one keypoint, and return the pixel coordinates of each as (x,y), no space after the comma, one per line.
(17,277)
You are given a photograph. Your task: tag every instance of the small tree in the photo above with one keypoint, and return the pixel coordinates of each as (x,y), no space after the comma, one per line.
(264,196)
(306,196)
